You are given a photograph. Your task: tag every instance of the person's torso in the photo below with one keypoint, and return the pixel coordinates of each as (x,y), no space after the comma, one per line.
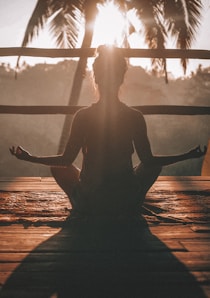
(108,142)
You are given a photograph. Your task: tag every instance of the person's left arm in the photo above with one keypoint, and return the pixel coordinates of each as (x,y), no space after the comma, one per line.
(143,148)
(63,160)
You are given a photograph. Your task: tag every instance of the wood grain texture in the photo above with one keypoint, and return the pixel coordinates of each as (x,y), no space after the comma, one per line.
(163,253)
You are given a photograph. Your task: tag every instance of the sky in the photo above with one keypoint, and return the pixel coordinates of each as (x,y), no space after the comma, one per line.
(15,14)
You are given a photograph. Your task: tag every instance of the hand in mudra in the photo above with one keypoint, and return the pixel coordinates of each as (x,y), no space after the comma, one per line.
(19,152)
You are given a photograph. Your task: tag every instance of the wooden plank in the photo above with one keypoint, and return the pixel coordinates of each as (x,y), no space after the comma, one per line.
(148,277)
(48,184)
(186,186)
(196,245)
(19,229)
(153,265)
(18,257)
(20,179)
(26,245)
(32,186)
(160,178)
(176,231)
(203,229)
(171,239)
(90,52)
(192,255)
(65,110)
(184,178)
(73,290)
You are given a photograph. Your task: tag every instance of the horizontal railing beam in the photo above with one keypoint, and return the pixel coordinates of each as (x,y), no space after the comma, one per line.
(90,52)
(145,109)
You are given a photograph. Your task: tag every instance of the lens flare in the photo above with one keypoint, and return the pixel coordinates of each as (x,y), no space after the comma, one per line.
(110,26)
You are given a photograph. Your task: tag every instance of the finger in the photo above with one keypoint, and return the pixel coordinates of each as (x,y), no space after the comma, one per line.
(12,150)
(19,150)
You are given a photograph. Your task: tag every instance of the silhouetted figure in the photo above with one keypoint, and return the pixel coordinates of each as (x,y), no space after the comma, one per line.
(107,132)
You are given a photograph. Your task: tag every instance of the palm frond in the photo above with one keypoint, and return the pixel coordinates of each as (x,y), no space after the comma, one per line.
(37,21)
(151,15)
(160,18)
(182,19)
(90,12)
(45,9)
(148,12)
(65,28)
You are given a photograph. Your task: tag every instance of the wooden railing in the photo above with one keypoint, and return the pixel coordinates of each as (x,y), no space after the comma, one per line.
(90,52)
(146,110)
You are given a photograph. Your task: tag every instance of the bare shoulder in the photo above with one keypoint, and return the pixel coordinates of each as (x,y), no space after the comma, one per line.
(81,114)
(136,115)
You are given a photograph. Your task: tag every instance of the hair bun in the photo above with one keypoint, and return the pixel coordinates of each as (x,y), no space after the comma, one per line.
(109,61)
(106,50)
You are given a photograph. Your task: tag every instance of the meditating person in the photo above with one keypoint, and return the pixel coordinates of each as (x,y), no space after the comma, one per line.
(107,132)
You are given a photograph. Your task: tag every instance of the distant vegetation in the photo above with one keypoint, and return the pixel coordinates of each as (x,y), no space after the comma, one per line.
(45,84)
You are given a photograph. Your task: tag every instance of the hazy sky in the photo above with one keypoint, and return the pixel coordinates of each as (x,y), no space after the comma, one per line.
(14,16)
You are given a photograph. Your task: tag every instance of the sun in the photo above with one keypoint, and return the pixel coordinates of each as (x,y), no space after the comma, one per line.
(110,26)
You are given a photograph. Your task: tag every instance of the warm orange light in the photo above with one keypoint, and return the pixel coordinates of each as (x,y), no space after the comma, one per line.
(110,26)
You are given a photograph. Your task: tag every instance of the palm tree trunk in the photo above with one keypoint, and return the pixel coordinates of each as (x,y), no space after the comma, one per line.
(73,100)
(90,15)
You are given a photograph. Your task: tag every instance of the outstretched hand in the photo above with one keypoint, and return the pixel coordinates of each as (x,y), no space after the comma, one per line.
(197,152)
(19,152)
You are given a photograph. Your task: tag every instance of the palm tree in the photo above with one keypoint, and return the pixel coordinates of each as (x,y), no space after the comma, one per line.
(161,19)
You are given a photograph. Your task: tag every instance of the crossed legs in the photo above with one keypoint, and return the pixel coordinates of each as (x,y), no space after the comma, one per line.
(68,178)
(146,176)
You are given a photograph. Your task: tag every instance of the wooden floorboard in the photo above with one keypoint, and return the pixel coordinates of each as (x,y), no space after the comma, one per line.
(49,184)
(163,253)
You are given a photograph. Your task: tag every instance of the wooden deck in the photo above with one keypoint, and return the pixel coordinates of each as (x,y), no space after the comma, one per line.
(164,253)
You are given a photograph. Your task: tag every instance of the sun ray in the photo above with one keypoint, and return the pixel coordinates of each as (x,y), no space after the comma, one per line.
(110,26)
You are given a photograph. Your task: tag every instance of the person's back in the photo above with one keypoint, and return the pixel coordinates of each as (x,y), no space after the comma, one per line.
(107,153)
(108,142)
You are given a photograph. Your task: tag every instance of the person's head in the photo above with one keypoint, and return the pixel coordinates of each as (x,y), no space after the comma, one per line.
(109,68)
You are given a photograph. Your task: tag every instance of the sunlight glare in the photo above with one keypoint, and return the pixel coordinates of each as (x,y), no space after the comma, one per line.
(110,26)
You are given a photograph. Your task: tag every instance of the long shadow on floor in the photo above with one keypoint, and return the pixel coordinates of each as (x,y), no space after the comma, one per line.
(92,258)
